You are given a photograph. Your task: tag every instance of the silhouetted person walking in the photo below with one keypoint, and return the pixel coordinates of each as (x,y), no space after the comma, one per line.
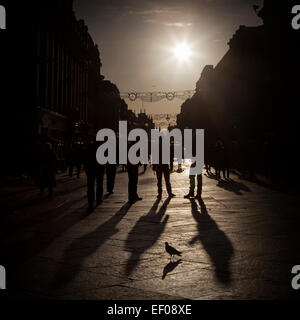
(133,177)
(111,170)
(47,170)
(75,159)
(78,160)
(95,173)
(219,154)
(70,161)
(193,178)
(163,170)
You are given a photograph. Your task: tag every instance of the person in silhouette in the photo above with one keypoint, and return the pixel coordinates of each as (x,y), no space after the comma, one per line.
(224,165)
(75,159)
(133,178)
(78,159)
(95,173)
(208,157)
(47,170)
(219,154)
(71,161)
(162,169)
(193,178)
(111,170)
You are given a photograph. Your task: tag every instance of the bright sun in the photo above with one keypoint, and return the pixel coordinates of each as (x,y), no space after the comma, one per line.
(182,52)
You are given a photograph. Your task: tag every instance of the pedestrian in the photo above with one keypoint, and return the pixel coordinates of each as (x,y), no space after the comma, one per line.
(77,158)
(95,173)
(219,154)
(133,176)
(71,160)
(47,170)
(192,178)
(111,170)
(162,169)
(225,162)
(208,157)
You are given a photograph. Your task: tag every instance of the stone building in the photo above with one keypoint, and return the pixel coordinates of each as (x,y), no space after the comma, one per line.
(53,88)
(241,98)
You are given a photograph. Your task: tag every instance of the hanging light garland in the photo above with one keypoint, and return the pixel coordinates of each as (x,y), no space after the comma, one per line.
(157,96)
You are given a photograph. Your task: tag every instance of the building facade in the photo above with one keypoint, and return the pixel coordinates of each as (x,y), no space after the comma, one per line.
(52,82)
(241,99)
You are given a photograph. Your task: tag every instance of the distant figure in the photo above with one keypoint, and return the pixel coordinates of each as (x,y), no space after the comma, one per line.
(95,173)
(111,170)
(78,160)
(163,169)
(47,170)
(74,159)
(219,154)
(226,162)
(192,178)
(222,154)
(208,157)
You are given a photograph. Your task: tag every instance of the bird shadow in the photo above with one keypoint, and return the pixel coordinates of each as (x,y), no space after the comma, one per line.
(214,241)
(87,245)
(170,267)
(145,233)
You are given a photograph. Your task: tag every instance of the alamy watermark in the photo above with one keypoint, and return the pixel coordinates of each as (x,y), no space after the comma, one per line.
(296,279)
(2,17)
(2,278)
(139,146)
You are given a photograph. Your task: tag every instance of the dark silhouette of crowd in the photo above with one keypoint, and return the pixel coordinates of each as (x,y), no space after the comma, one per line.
(220,158)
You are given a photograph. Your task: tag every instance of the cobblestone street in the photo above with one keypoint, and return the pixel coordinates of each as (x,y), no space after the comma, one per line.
(240,242)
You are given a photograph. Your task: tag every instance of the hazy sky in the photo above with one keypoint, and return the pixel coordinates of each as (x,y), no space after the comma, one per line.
(137,38)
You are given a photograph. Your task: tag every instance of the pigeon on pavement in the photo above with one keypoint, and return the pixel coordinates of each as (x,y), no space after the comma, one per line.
(172,251)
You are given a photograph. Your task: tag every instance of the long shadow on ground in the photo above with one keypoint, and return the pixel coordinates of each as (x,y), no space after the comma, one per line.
(214,241)
(90,242)
(145,233)
(233,186)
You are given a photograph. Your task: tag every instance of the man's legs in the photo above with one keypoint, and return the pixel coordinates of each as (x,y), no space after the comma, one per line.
(133,175)
(70,170)
(159,180)
(78,166)
(91,190)
(166,171)
(192,187)
(199,185)
(99,192)
(111,176)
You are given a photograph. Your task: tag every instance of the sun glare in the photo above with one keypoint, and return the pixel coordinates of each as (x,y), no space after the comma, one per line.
(182,52)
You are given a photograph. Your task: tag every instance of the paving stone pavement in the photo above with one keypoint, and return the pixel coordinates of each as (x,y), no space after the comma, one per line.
(240,242)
